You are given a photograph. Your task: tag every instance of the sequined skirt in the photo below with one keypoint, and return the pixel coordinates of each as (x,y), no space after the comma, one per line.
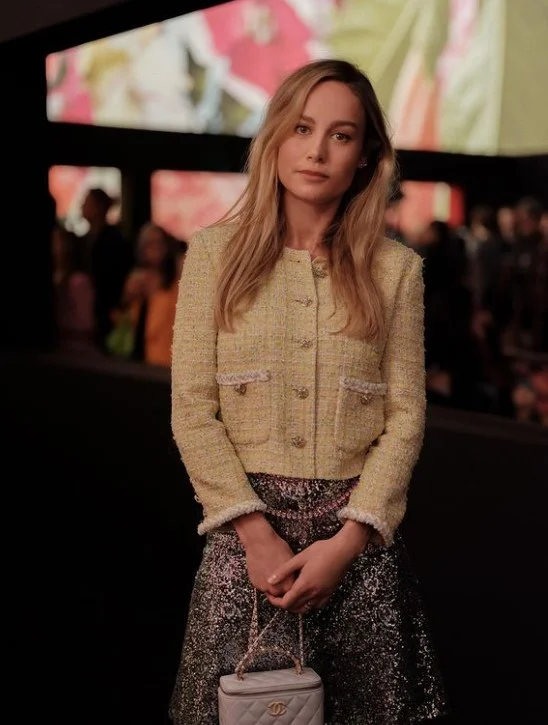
(370,644)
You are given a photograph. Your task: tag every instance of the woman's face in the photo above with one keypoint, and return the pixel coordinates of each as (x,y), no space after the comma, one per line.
(318,160)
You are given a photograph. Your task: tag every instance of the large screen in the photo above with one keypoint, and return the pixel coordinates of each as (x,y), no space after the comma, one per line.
(183,202)
(69,184)
(452,75)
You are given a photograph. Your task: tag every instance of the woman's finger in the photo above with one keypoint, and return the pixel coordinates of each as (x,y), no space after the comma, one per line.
(304,603)
(309,606)
(292,566)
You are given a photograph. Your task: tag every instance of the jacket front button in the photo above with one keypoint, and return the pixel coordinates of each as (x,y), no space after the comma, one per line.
(301,393)
(298,442)
(241,389)
(366,398)
(306,343)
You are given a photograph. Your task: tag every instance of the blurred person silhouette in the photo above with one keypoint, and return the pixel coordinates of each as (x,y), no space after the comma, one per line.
(539,291)
(488,256)
(485,250)
(539,384)
(530,395)
(544,225)
(106,257)
(150,296)
(74,295)
(525,256)
(506,224)
(451,351)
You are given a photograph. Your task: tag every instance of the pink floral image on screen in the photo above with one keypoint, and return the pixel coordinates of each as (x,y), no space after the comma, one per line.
(69,98)
(263,41)
(185,201)
(211,71)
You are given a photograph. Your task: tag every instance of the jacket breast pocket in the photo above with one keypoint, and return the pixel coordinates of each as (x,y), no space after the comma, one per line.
(245,405)
(359,417)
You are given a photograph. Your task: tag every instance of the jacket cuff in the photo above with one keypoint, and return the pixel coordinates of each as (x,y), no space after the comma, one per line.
(385,536)
(246,507)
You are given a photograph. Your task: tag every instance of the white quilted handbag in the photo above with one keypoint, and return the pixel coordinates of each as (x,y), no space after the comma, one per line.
(278,697)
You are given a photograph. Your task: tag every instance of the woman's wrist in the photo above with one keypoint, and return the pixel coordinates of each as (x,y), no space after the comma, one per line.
(354,536)
(252,528)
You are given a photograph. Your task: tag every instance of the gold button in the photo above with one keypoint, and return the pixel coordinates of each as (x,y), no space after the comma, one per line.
(306,343)
(319,271)
(366,398)
(241,388)
(301,392)
(298,442)
(305,301)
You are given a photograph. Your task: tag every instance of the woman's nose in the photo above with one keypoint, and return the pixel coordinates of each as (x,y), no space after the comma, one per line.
(316,151)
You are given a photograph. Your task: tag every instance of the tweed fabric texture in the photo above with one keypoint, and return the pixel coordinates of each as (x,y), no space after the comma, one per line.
(274,396)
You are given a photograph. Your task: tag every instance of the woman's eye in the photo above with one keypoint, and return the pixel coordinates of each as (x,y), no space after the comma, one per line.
(344,137)
(301,129)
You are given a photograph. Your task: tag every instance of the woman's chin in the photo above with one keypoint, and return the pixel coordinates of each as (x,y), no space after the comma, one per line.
(307,195)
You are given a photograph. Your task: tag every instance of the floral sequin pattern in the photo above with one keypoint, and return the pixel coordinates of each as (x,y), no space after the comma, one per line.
(370,644)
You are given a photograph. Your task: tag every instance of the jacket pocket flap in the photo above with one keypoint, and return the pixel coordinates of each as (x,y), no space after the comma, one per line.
(249,376)
(363,386)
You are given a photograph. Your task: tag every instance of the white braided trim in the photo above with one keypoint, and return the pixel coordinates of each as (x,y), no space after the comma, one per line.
(250,376)
(363,386)
(354,514)
(240,509)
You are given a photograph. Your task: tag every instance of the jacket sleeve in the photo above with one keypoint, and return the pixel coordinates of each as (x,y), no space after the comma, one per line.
(214,469)
(380,498)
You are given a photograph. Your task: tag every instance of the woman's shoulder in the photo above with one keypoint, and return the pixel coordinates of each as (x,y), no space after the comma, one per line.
(393,258)
(212,239)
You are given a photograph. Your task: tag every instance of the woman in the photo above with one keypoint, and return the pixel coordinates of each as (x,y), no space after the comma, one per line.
(298,408)
(150,296)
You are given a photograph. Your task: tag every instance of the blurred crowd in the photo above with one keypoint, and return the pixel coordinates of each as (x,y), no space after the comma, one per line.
(116,296)
(486,300)
(486,308)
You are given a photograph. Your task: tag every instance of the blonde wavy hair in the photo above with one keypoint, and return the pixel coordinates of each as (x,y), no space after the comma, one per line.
(258,240)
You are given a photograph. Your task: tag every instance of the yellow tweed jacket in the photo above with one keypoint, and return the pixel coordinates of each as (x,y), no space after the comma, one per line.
(283,395)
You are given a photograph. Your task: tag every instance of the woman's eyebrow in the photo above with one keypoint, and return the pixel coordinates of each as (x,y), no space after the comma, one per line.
(341,122)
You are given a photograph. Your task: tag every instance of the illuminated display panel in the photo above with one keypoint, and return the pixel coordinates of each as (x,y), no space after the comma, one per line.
(447,72)
(185,201)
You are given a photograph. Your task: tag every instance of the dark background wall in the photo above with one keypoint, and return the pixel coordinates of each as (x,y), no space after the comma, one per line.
(29,17)
(110,528)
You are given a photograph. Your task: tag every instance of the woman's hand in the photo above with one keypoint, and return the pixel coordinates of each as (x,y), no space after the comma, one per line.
(320,569)
(265,552)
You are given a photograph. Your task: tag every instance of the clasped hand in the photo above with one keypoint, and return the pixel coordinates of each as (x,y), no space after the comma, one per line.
(314,574)
(310,577)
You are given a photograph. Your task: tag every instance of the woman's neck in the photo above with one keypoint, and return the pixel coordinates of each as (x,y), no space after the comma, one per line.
(306,224)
